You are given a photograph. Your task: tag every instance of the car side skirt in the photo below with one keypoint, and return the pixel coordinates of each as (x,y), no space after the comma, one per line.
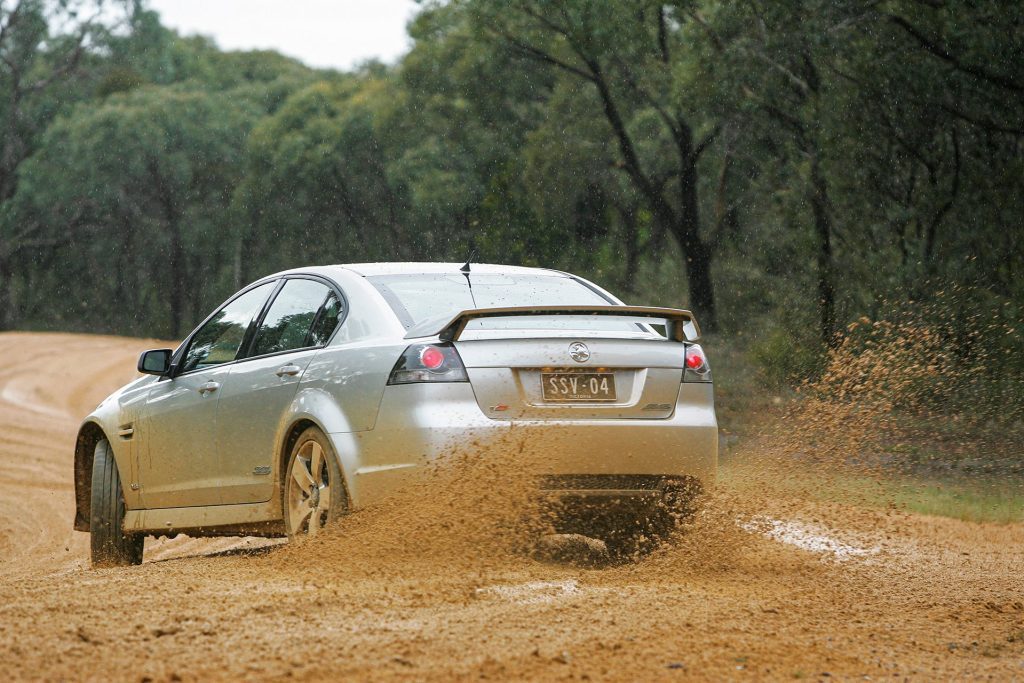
(248,519)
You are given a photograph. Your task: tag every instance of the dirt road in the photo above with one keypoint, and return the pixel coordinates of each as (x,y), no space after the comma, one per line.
(781,590)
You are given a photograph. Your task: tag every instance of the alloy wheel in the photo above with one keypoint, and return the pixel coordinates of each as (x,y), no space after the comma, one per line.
(309,491)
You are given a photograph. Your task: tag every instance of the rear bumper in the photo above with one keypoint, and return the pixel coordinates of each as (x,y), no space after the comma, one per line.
(420,423)
(633,495)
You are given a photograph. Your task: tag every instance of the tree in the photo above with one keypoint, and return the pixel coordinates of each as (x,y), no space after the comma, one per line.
(36,65)
(317,179)
(631,54)
(780,57)
(946,101)
(141,184)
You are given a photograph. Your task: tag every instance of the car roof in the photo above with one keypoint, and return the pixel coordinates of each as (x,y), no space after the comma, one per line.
(412,268)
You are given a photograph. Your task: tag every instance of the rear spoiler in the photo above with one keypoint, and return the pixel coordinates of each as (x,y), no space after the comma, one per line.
(680,325)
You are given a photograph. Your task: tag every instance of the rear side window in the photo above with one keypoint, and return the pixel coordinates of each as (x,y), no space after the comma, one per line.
(323,327)
(290,318)
(219,339)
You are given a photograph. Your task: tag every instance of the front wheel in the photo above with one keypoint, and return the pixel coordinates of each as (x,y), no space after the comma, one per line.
(314,489)
(110,545)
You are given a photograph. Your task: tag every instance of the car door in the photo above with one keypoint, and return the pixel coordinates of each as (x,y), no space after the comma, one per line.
(178,430)
(259,390)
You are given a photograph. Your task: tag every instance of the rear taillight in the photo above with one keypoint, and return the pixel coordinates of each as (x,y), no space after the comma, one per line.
(428,363)
(696,365)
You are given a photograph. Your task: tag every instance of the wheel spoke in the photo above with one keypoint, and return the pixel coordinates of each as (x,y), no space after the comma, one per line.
(314,521)
(325,498)
(302,476)
(300,511)
(316,462)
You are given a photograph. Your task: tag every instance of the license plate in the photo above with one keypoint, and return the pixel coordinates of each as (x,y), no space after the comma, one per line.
(584,387)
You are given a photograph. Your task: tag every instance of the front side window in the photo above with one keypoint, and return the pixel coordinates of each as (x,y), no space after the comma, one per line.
(219,340)
(288,321)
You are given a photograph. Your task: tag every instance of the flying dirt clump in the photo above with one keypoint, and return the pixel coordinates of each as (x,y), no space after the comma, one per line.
(392,593)
(478,510)
(895,400)
(878,370)
(475,506)
(475,511)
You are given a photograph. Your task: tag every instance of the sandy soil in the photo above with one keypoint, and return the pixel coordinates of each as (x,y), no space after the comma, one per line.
(782,589)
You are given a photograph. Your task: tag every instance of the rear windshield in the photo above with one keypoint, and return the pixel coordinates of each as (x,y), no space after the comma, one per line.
(419,297)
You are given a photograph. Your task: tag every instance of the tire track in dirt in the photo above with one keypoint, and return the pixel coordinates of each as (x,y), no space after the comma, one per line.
(931,599)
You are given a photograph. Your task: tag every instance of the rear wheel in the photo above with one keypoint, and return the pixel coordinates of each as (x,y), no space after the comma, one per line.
(110,545)
(314,490)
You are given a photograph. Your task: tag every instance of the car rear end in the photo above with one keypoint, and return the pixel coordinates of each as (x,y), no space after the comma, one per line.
(612,404)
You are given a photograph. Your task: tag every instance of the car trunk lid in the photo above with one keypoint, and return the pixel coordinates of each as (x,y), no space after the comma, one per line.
(570,362)
(539,379)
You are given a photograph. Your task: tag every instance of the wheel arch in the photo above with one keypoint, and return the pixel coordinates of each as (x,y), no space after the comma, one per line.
(291,435)
(298,425)
(89,434)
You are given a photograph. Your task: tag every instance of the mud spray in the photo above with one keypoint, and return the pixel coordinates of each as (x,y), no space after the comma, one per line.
(470,528)
(800,563)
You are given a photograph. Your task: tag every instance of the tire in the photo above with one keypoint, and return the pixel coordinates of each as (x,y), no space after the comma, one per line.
(110,545)
(313,494)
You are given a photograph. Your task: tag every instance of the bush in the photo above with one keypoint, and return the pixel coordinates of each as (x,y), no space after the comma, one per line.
(786,359)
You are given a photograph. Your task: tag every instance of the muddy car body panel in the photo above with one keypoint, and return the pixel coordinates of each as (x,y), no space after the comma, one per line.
(203,447)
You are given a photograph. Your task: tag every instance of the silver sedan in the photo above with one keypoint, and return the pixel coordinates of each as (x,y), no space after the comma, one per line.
(316,391)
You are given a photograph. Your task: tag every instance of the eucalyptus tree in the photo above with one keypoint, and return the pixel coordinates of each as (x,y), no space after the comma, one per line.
(945,96)
(635,57)
(45,47)
(141,183)
(317,184)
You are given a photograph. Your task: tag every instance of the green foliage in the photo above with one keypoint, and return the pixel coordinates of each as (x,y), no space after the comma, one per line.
(157,163)
(817,161)
(784,358)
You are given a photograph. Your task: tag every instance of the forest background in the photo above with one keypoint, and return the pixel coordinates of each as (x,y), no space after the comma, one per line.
(787,169)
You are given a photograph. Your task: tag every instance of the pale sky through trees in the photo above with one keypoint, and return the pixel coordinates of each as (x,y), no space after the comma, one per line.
(321,33)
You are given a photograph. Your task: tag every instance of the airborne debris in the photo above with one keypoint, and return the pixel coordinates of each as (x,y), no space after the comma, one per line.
(393,580)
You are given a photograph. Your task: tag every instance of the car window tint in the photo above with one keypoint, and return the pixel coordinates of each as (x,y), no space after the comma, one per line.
(218,340)
(288,320)
(331,312)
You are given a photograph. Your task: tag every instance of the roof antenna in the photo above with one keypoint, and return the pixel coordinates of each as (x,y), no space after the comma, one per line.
(465,266)
(465,271)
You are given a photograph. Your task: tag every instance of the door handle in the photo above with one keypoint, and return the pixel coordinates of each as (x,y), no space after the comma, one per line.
(208,388)
(288,371)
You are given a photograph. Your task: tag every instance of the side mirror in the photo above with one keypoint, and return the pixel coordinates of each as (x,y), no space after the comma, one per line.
(155,362)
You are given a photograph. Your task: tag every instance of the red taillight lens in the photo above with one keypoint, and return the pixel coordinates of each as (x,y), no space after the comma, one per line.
(696,367)
(428,363)
(432,358)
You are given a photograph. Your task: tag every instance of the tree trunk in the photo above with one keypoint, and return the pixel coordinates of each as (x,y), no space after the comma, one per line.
(177,268)
(684,226)
(696,251)
(632,252)
(6,314)
(698,279)
(825,269)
